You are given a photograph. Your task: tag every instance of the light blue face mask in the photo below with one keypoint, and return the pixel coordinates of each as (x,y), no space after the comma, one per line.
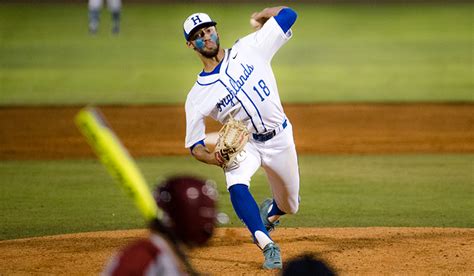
(214,38)
(200,41)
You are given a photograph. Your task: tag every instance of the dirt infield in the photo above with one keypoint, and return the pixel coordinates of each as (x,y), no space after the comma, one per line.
(363,251)
(49,133)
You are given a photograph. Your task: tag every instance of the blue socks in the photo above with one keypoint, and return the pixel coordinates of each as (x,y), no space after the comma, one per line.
(246,208)
(94,18)
(275,211)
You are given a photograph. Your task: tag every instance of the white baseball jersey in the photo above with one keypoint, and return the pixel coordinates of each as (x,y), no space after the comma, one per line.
(243,85)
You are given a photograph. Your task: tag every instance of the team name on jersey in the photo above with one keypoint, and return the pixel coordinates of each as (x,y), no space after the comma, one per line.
(237,84)
(229,99)
(236,87)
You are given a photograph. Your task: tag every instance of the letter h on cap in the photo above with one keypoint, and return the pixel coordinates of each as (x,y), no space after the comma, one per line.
(196,20)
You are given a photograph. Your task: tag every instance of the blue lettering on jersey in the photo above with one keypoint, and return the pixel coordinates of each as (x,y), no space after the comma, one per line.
(236,85)
(229,99)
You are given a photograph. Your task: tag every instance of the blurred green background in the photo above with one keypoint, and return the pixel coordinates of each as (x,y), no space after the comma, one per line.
(339,53)
(68,196)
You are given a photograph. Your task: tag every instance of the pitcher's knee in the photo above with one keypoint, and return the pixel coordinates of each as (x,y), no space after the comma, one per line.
(291,208)
(289,205)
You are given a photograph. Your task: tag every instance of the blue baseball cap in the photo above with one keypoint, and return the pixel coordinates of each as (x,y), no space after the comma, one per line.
(195,22)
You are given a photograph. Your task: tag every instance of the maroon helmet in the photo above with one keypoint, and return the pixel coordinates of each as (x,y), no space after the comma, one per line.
(189,206)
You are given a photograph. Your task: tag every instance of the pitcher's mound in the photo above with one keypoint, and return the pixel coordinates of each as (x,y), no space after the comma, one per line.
(376,251)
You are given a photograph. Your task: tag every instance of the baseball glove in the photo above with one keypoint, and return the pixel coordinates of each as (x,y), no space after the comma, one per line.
(230,145)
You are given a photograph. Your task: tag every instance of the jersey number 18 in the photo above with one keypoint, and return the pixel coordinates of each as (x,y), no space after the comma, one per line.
(264,88)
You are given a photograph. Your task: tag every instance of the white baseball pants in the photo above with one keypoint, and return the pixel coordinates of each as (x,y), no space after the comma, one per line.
(278,158)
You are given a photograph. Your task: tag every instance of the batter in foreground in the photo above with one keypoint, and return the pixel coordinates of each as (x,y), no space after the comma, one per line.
(238,83)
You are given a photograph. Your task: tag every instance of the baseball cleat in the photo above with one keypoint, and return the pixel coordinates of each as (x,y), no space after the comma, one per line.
(272,257)
(264,208)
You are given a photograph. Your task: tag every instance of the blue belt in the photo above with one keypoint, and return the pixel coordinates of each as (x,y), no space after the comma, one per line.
(263,137)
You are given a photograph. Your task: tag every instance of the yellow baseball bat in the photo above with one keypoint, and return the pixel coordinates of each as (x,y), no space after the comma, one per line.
(115,157)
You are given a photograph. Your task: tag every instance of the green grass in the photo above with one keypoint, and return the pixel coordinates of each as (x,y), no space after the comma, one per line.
(51,197)
(361,53)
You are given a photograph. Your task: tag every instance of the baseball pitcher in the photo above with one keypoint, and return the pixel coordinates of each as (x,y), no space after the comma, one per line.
(237,88)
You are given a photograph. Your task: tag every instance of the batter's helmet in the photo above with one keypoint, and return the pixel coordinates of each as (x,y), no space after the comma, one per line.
(189,206)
